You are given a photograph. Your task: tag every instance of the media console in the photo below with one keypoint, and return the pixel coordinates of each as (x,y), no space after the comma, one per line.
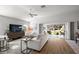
(15,35)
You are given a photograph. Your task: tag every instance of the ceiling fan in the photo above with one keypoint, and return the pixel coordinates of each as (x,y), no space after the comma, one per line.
(32,14)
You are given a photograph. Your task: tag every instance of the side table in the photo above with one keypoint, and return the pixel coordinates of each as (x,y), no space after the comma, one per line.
(4,45)
(26,50)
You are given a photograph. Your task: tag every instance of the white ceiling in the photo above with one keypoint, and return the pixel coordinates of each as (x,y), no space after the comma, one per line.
(22,11)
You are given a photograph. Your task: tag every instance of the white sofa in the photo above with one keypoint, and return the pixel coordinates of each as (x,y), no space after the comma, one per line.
(38,43)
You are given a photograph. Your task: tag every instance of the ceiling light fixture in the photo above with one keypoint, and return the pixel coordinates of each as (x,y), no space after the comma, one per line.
(43,6)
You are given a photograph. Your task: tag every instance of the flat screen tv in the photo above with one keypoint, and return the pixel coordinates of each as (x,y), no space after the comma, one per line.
(15,28)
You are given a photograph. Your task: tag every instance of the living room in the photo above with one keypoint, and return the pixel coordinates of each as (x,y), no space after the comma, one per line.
(26,27)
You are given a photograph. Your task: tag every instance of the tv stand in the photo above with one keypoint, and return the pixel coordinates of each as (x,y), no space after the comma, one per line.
(15,35)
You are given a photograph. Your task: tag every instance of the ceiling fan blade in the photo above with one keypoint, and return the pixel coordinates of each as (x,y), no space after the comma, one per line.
(30,15)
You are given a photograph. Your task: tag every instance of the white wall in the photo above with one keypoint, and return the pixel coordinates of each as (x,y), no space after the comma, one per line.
(67,30)
(5,21)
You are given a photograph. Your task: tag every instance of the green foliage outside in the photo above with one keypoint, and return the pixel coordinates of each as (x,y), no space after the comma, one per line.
(57,31)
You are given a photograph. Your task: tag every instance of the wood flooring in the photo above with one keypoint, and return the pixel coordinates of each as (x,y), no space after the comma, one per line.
(55,46)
